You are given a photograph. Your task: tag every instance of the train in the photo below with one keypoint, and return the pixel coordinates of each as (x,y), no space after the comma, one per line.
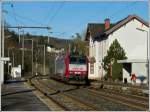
(71,68)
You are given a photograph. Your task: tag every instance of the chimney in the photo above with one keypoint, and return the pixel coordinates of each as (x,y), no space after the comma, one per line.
(107,23)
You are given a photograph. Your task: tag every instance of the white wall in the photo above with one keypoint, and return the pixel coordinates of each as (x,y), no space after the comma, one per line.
(2,71)
(126,75)
(94,52)
(132,40)
(140,70)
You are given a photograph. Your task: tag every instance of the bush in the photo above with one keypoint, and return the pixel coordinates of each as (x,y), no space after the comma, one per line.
(115,52)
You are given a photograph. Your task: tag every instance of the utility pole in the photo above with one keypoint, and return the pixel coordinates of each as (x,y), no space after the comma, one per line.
(1,63)
(3,34)
(8,63)
(55,62)
(19,34)
(32,57)
(69,48)
(23,52)
(13,58)
(44,72)
(44,60)
(32,51)
(48,39)
(1,44)
(37,54)
(48,35)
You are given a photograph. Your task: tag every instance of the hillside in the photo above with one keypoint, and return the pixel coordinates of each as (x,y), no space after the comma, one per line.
(13,50)
(12,40)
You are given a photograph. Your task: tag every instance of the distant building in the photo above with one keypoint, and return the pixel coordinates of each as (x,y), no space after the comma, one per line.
(133,41)
(51,49)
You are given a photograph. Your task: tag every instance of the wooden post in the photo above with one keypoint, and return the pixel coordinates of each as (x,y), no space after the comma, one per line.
(110,71)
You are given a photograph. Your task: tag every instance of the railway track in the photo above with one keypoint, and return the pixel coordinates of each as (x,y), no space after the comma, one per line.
(132,101)
(47,92)
(122,85)
(59,96)
(67,102)
(139,102)
(138,97)
(139,90)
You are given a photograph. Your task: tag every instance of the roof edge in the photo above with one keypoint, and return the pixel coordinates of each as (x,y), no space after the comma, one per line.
(126,20)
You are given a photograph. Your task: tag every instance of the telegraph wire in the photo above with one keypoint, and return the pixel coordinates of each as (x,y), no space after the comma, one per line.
(57,11)
(12,6)
(49,13)
(28,19)
(111,16)
(120,11)
(11,15)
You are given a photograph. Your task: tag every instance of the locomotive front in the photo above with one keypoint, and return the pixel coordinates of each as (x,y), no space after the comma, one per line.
(78,68)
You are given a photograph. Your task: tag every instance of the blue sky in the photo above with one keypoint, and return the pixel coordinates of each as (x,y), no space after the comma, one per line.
(67,18)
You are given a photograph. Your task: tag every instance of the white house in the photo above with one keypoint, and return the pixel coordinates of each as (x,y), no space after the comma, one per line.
(132,33)
(51,49)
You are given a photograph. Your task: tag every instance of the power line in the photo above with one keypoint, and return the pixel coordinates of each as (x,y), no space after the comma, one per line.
(111,16)
(49,10)
(57,11)
(122,10)
(28,19)
(12,6)
(11,15)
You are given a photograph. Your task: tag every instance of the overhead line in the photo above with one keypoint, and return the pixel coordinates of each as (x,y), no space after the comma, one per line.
(49,13)
(127,6)
(57,11)
(29,19)
(44,27)
(11,15)
(111,16)
(12,6)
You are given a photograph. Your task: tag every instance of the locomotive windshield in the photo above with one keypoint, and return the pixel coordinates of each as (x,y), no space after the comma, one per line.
(82,60)
(77,60)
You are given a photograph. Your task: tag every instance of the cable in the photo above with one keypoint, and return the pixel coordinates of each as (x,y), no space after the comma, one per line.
(49,10)
(12,6)
(29,19)
(120,11)
(57,11)
(11,15)
(111,16)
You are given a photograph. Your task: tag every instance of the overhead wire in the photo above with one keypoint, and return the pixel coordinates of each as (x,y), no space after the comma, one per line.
(28,19)
(57,11)
(120,11)
(49,13)
(111,16)
(12,6)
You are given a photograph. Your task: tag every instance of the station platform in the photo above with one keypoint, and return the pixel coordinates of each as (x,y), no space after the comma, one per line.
(15,96)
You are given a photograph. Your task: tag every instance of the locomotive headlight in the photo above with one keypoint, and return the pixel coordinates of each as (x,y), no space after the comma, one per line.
(77,72)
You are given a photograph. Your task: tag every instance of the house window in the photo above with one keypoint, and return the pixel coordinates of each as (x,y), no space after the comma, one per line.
(92,68)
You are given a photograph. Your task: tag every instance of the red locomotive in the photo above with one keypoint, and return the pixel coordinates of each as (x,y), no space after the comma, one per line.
(71,68)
